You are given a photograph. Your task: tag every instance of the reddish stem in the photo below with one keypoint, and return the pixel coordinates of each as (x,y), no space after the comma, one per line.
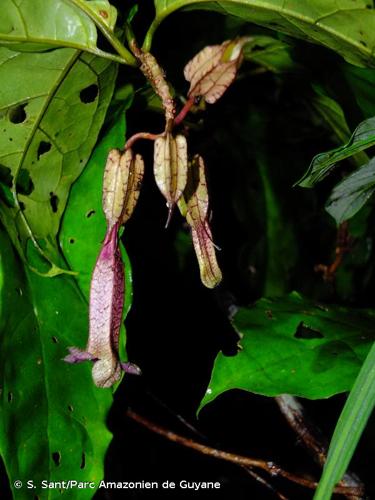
(141,135)
(185,110)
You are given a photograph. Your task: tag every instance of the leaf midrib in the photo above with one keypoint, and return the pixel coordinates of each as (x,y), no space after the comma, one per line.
(50,96)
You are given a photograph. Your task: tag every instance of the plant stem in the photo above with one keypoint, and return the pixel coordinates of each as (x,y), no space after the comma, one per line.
(269,467)
(141,135)
(311,436)
(185,110)
(113,40)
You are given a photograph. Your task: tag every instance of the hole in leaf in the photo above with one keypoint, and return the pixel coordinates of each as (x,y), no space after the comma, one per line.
(55,340)
(6,176)
(56,457)
(10,397)
(24,183)
(53,201)
(17,114)
(90,213)
(70,407)
(83,461)
(22,205)
(89,94)
(43,147)
(72,240)
(306,332)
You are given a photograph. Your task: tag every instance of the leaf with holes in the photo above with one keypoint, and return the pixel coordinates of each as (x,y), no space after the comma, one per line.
(349,196)
(362,138)
(294,346)
(64,434)
(35,25)
(49,126)
(348,26)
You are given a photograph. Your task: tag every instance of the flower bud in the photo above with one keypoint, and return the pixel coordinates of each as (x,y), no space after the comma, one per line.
(170,167)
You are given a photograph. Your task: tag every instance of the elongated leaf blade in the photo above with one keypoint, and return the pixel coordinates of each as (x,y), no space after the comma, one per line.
(34,25)
(294,346)
(347,27)
(322,164)
(49,124)
(349,428)
(52,426)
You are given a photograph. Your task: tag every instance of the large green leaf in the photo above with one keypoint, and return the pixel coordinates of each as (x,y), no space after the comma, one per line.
(349,196)
(44,24)
(350,426)
(348,26)
(321,165)
(294,346)
(49,122)
(53,417)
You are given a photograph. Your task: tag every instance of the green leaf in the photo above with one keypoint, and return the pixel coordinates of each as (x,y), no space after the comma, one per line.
(280,250)
(293,346)
(49,123)
(331,113)
(361,81)
(53,417)
(34,25)
(349,428)
(348,27)
(349,196)
(322,164)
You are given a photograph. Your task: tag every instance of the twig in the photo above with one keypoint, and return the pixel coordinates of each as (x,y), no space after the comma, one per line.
(314,440)
(343,245)
(311,437)
(263,481)
(188,425)
(269,467)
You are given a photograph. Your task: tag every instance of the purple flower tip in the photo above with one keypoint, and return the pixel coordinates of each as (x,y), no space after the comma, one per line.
(78,356)
(131,368)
